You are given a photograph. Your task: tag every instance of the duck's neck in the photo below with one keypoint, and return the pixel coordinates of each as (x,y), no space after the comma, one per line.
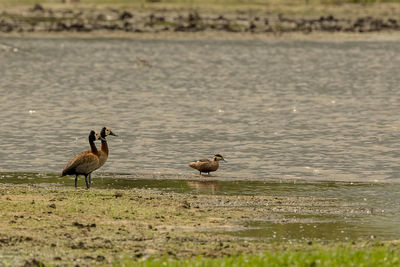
(93,147)
(104,147)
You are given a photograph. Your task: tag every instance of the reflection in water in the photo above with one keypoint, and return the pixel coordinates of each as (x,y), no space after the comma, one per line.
(201,187)
(335,230)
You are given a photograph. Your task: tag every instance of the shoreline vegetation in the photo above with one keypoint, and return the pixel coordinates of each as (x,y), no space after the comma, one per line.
(145,227)
(227,18)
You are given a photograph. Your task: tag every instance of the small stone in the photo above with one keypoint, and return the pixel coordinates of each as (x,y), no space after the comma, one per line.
(186,205)
(100,258)
(38,7)
(117,194)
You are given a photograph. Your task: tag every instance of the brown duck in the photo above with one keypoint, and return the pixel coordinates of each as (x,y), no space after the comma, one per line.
(85,162)
(103,152)
(206,165)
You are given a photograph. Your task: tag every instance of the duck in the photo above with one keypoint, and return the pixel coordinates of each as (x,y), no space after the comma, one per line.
(103,152)
(85,162)
(207,165)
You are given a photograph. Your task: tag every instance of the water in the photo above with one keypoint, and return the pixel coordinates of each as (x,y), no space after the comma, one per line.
(276,110)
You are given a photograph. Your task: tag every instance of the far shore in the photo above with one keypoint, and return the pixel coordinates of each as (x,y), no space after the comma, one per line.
(302,22)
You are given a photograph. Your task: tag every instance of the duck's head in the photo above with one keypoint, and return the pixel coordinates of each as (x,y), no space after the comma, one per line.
(218,157)
(94,136)
(106,131)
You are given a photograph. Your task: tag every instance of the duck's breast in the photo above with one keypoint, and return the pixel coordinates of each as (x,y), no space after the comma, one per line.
(102,158)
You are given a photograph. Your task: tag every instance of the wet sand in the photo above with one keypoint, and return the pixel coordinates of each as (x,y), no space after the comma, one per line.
(77,226)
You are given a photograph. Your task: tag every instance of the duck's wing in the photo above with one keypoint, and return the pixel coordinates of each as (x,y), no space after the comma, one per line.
(84,162)
(200,164)
(199,161)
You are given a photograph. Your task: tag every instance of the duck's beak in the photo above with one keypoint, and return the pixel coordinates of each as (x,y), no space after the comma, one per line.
(111,133)
(224,160)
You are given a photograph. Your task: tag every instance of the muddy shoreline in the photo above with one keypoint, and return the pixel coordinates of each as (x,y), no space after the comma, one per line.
(43,19)
(98,226)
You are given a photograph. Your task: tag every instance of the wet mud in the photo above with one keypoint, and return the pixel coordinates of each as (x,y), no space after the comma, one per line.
(100,226)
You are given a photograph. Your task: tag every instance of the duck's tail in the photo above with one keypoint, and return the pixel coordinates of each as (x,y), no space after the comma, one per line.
(67,171)
(193,164)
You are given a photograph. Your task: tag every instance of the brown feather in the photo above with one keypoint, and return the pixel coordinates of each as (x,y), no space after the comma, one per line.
(103,153)
(83,163)
(205,165)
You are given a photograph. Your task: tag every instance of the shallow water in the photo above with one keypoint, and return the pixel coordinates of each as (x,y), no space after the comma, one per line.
(378,203)
(277,110)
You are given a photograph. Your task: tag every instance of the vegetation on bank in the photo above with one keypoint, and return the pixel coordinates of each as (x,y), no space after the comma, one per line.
(205,2)
(345,255)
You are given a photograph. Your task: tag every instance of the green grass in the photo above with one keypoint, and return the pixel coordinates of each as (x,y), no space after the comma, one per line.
(321,256)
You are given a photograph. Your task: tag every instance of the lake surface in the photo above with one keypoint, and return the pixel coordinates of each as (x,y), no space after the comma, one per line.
(276,110)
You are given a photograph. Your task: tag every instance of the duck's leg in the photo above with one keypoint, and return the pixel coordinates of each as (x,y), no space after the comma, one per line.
(200,172)
(76,180)
(90,179)
(86,181)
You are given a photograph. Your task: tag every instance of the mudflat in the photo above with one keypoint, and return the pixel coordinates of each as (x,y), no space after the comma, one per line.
(78,226)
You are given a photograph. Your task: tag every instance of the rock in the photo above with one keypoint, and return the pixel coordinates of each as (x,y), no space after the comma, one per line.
(33,263)
(100,258)
(101,17)
(37,7)
(125,15)
(7,25)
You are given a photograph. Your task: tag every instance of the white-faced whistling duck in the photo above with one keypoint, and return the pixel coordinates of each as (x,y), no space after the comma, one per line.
(206,165)
(103,152)
(85,162)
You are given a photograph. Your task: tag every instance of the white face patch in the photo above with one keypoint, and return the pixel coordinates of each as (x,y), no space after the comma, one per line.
(97,135)
(108,131)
